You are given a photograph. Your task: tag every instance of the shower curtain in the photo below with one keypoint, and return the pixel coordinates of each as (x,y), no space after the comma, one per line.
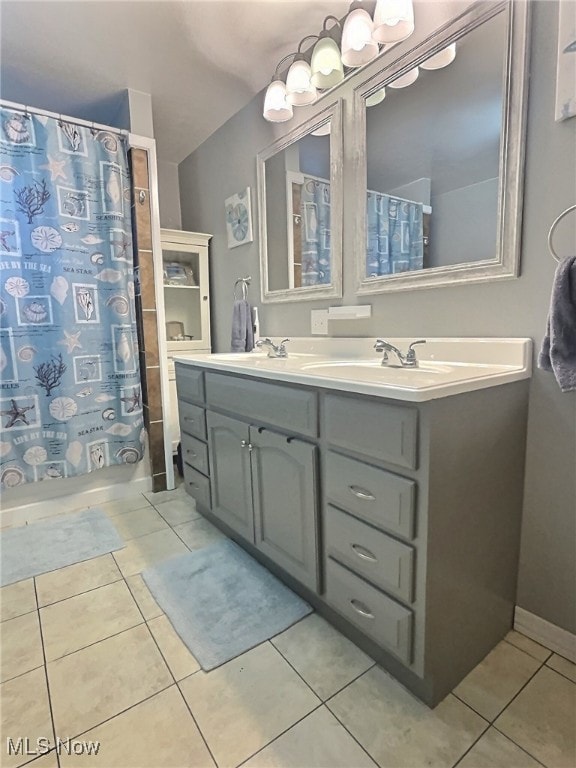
(395,235)
(315,213)
(70,397)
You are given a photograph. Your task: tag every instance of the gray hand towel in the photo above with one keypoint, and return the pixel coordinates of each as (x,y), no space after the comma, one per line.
(558,352)
(242,329)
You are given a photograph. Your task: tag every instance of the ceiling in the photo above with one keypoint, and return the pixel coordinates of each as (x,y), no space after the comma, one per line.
(201,60)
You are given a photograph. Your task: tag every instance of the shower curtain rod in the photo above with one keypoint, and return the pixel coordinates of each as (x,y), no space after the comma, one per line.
(63,118)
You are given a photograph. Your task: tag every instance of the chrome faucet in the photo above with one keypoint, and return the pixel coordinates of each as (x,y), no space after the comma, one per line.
(409,360)
(274,350)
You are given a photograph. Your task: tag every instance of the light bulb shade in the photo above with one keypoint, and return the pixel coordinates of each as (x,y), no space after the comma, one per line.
(299,88)
(326,64)
(276,107)
(376,97)
(441,59)
(358,47)
(323,130)
(393,20)
(403,82)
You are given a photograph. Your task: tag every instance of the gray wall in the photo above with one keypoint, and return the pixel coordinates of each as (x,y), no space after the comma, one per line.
(169,195)
(225,163)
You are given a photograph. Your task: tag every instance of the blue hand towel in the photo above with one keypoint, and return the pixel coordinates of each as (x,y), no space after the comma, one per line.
(242,328)
(558,352)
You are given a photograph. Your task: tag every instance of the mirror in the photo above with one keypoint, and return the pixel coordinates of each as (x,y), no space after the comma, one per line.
(441,157)
(300,211)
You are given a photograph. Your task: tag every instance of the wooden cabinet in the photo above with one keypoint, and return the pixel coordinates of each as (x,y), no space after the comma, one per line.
(264,487)
(284,490)
(186,303)
(399,521)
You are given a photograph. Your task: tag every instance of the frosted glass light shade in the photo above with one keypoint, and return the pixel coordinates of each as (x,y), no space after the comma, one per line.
(441,59)
(276,107)
(393,20)
(299,88)
(324,130)
(326,64)
(403,82)
(376,97)
(358,47)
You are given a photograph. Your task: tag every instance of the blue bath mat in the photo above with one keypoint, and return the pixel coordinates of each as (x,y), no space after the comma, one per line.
(222,602)
(51,544)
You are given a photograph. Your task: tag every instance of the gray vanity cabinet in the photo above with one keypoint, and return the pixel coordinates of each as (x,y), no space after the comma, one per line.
(284,483)
(230,479)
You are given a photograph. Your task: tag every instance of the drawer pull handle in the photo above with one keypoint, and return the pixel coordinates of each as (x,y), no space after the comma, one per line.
(189,418)
(363,553)
(191,453)
(191,484)
(361,493)
(362,609)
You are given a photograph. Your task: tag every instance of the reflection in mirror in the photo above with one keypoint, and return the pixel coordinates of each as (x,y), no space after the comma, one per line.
(298,212)
(300,209)
(438,203)
(432,161)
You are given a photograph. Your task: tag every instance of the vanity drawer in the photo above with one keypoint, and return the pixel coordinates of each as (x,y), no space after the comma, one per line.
(197,486)
(377,615)
(281,406)
(385,562)
(384,432)
(373,494)
(195,453)
(190,383)
(192,419)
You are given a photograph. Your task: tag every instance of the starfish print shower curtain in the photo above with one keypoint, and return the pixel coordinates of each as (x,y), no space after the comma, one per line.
(70,397)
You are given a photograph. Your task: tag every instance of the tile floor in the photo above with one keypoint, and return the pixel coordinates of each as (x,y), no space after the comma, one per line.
(88,654)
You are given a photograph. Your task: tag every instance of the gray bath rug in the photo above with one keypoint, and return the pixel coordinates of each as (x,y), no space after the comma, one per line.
(222,602)
(51,544)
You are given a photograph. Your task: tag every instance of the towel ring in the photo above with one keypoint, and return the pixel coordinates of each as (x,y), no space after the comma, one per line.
(244,282)
(553,229)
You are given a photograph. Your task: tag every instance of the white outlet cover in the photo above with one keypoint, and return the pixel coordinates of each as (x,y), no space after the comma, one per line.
(319,322)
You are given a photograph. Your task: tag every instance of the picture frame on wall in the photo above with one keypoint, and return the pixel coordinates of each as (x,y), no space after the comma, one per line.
(238,210)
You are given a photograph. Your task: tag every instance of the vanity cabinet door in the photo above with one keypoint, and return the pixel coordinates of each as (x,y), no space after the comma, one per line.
(284,489)
(228,441)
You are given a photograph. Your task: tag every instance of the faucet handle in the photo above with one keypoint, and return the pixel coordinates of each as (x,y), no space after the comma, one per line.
(411,353)
(283,342)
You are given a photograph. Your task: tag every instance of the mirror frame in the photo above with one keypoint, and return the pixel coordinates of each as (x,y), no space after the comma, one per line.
(506,264)
(333,113)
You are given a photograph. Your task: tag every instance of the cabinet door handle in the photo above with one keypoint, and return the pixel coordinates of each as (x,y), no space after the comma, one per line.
(362,609)
(361,493)
(363,553)
(243,444)
(191,453)
(191,484)
(189,418)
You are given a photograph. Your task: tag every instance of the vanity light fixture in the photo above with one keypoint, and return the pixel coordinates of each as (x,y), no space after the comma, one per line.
(376,98)
(441,59)
(407,79)
(393,20)
(324,130)
(277,109)
(300,89)
(358,46)
(326,64)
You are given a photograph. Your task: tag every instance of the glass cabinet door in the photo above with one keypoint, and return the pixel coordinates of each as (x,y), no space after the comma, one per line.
(182,295)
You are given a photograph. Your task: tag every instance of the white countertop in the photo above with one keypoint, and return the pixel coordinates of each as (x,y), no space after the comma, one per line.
(446,366)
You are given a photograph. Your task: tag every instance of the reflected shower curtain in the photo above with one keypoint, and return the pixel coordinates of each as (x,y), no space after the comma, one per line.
(395,235)
(315,212)
(70,398)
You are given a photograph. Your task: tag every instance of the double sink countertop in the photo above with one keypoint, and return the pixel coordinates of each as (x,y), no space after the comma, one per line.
(445,366)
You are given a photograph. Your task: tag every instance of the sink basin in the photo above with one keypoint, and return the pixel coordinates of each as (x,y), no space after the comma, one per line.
(427,374)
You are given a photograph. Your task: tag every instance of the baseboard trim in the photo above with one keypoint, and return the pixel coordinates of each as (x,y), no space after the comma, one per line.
(557,639)
(36,510)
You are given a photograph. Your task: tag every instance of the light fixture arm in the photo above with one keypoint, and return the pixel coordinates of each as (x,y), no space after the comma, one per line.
(308,37)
